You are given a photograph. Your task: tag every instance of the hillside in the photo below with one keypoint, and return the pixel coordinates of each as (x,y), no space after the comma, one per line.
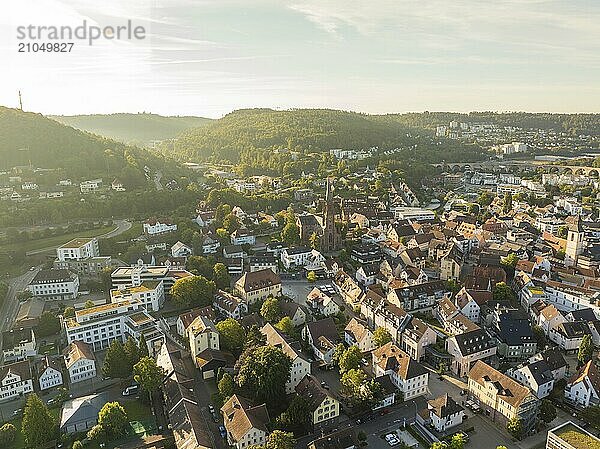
(304,130)
(573,124)
(133,128)
(31,139)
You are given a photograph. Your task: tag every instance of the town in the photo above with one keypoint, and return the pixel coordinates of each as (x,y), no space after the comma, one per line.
(342,308)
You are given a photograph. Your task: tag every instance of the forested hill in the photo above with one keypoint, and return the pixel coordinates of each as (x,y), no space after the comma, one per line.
(306,130)
(137,129)
(574,124)
(28,138)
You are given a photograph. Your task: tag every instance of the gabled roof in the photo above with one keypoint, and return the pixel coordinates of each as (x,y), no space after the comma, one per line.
(76,351)
(21,369)
(83,409)
(473,342)
(240,416)
(589,371)
(444,406)
(508,389)
(311,390)
(256,280)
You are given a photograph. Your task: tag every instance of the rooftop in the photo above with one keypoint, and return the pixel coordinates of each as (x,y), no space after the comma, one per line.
(576,436)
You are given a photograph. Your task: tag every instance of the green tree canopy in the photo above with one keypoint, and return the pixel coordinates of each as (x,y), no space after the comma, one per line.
(271,309)
(263,372)
(116,363)
(586,350)
(381,337)
(113,419)
(221,276)
(231,334)
(193,291)
(38,426)
(148,374)
(350,359)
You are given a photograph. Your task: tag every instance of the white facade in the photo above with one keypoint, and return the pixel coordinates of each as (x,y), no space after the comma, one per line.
(156,227)
(301,258)
(81,370)
(78,249)
(150,293)
(55,285)
(17,381)
(50,378)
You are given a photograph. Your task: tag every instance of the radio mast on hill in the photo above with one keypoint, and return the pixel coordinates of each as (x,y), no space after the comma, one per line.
(20,101)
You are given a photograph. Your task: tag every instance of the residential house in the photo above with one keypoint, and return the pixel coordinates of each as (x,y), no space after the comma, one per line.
(568,336)
(229,305)
(258,285)
(55,284)
(202,335)
(536,376)
(242,237)
(444,413)
(15,380)
(262,261)
(323,406)
(408,375)
(18,345)
(320,303)
(246,424)
(295,311)
(583,389)
(300,365)
(358,333)
(49,373)
(367,274)
(185,319)
(468,348)
(79,361)
(416,337)
(180,249)
(322,336)
(502,397)
(469,302)
(153,226)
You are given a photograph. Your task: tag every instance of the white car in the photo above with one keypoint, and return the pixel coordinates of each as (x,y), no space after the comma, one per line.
(392,439)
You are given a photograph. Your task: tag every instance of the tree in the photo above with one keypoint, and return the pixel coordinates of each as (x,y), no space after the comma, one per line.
(515,427)
(8,433)
(226,386)
(49,324)
(457,441)
(314,240)
(69,312)
(148,374)
(221,276)
(511,260)
(280,440)
(232,223)
(263,372)
(96,433)
(270,309)
(547,411)
(89,304)
(297,415)
(286,326)
(586,349)
(38,426)
(591,415)
(114,359)
(350,359)
(381,337)
(352,381)
(507,203)
(113,419)
(254,337)
(540,337)
(193,291)
(311,276)
(143,347)
(337,353)
(290,234)
(232,334)
(485,199)
(132,351)
(503,293)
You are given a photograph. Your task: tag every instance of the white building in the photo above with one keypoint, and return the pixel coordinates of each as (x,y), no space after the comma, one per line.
(583,389)
(18,345)
(98,326)
(412,213)
(536,376)
(150,293)
(155,227)
(242,237)
(300,365)
(15,381)
(408,375)
(80,361)
(90,186)
(78,249)
(180,249)
(244,422)
(202,335)
(301,257)
(55,284)
(49,373)
(445,413)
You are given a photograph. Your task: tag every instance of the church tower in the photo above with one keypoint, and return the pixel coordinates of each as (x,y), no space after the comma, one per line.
(575,242)
(332,239)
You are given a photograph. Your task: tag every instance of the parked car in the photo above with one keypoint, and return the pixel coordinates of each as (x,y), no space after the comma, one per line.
(211,408)
(18,412)
(130,390)
(222,431)
(392,439)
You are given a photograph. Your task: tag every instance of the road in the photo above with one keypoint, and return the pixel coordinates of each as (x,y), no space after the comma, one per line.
(10,306)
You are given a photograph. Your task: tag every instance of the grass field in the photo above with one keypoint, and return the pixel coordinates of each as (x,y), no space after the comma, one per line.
(55,241)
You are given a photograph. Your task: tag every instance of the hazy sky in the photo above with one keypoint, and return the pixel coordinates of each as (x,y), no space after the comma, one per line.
(209,57)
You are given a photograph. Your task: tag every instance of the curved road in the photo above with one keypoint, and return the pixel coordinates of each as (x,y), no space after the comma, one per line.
(121,226)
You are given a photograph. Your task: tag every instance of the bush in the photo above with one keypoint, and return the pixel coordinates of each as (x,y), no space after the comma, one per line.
(8,433)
